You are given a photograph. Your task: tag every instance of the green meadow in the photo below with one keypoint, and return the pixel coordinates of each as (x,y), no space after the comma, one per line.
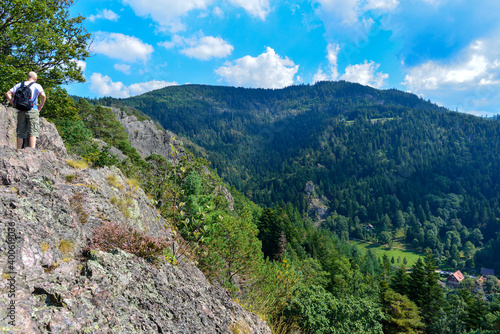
(411,256)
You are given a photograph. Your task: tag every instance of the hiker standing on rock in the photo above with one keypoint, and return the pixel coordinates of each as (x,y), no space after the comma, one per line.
(24,97)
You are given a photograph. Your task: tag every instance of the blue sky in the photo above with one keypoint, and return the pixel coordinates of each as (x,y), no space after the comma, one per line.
(443,50)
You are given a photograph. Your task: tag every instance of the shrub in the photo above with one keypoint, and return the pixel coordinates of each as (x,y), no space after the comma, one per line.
(110,236)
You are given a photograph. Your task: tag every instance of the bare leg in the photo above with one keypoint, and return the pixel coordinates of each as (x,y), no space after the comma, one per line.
(32,141)
(19,143)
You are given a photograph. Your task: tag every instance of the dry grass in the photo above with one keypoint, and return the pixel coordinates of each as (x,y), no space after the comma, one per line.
(80,164)
(44,246)
(113,181)
(65,246)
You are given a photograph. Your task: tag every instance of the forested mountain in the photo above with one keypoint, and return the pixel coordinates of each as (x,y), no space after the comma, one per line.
(385,158)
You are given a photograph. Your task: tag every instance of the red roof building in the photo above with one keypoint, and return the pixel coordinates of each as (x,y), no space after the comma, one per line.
(455,279)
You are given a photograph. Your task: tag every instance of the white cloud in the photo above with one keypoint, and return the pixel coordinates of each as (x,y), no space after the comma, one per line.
(320,76)
(104,14)
(122,68)
(218,12)
(346,9)
(267,70)
(365,74)
(479,64)
(352,11)
(167,12)
(333,51)
(208,47)
(200,47)
(81,64)
(104,86)
(257,8)
(140,88)
(388,5)
(469,82)
(123,47)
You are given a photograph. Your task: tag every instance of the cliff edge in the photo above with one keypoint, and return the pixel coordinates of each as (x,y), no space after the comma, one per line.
(49,209)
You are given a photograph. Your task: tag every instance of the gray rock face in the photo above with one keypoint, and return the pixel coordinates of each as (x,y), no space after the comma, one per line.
(112,149)
(48,212)
(49,139)
(318,206)
(147,139)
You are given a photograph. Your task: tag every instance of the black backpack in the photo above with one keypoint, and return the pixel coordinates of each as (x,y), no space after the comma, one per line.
(22,97)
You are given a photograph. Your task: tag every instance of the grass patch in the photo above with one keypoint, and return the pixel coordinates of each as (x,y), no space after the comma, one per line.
(113,181)
(133,183)
(44,246)
(80,164)
(411,256)
(65,246)
(70,178)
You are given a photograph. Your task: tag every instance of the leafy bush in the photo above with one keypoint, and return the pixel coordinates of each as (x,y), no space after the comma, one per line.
(318,311)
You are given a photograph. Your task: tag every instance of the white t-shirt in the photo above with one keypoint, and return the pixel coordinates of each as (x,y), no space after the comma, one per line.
(36,89)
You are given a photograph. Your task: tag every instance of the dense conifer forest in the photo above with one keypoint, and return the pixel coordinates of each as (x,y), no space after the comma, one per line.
(411,169)
(422,176)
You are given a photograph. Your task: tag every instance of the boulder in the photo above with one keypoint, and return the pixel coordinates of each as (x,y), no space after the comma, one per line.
(49,138)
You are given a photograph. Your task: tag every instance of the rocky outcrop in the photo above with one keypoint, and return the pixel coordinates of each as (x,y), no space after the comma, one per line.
(49,208)
(147,139)
(49,139)
(318,206)
(113,150)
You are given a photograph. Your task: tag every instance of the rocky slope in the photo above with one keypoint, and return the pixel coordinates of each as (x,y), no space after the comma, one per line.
(146,138)
(48,212)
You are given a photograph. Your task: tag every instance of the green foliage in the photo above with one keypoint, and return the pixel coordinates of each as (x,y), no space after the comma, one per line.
(320,312)
(407,167)
(401,314)
(40,36)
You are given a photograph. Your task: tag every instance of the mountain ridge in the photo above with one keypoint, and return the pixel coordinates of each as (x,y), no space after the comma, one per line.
(375,155)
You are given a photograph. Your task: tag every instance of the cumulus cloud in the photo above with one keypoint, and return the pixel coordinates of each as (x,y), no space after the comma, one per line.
(104,86)
(320,76)
(267,70)
(477,65)
(122,68)
(120,46)
(209,47)
(257,8)
(201,48)
(104,14)
(365,74)
(81,64)
(333,51)
(474,73)
(167,12)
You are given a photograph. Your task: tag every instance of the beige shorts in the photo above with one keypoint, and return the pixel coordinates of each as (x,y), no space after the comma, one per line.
(28,124)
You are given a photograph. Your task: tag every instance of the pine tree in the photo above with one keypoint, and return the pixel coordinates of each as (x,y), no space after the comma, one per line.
(399,281)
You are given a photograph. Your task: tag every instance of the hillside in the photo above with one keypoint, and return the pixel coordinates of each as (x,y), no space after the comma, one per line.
(385,158)
(62,222)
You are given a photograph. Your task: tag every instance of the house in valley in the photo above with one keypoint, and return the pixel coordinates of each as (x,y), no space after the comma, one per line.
(455,279)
